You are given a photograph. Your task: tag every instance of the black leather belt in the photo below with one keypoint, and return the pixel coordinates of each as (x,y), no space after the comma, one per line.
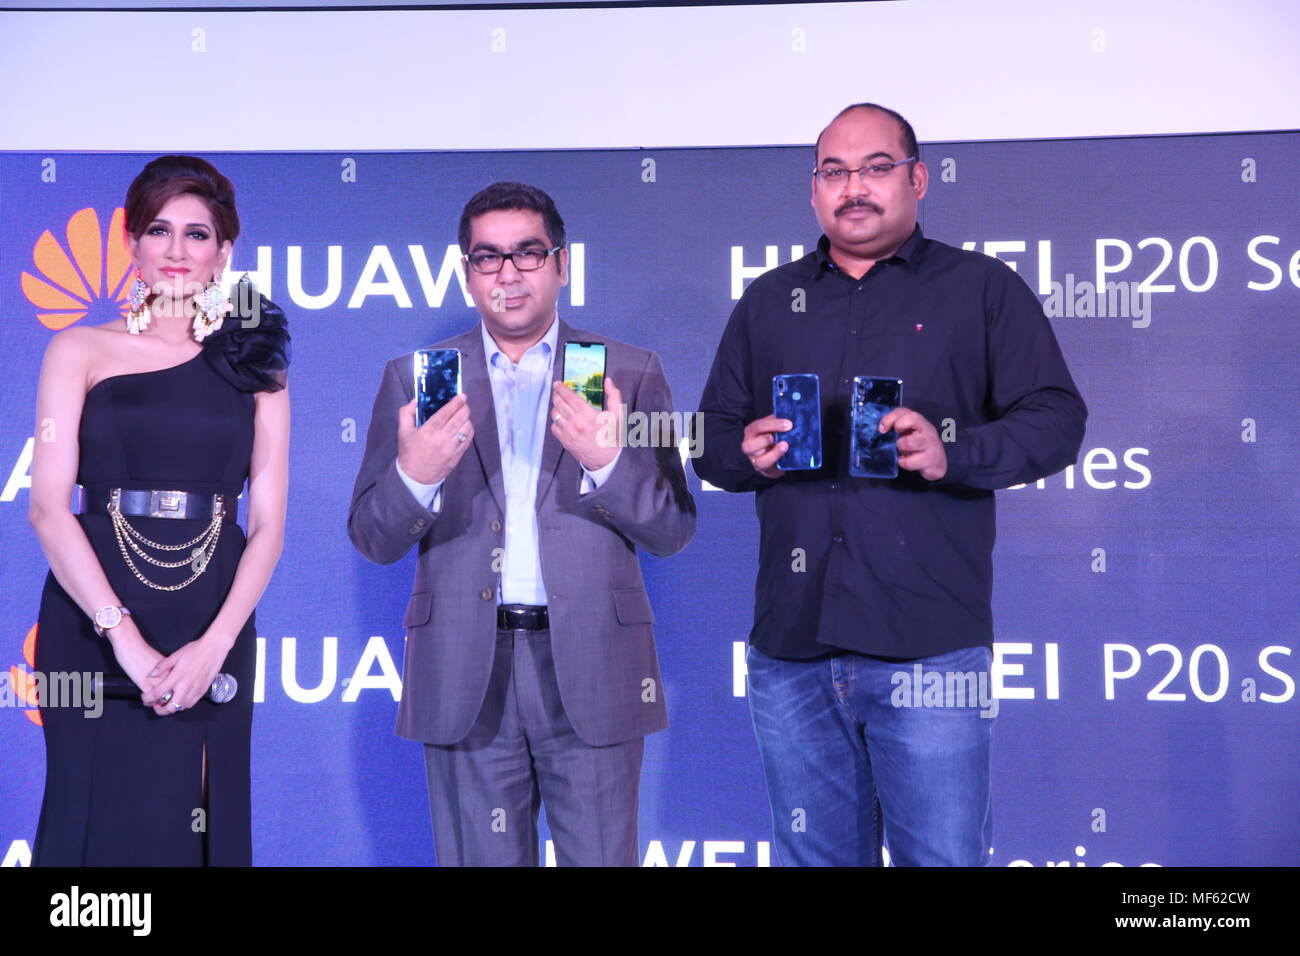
(160,504)
(522,617)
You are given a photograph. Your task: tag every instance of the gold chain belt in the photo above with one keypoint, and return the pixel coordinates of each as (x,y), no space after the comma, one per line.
(203,546)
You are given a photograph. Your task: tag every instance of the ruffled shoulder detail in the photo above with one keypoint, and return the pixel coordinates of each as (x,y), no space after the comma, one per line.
(251,349)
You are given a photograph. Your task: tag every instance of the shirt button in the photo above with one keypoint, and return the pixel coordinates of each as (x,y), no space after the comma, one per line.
(485,594)
(838,539)
(834,487)
(496,526)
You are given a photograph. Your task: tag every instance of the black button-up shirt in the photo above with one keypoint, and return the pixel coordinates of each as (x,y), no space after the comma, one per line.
(890,567)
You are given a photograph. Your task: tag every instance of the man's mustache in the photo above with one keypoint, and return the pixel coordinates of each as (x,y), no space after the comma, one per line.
(855,203)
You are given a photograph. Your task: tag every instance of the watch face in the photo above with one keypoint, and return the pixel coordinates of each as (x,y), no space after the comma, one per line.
(107,617)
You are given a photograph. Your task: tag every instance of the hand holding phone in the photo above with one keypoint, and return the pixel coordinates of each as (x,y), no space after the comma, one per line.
(920,448)
(430,452)
(593,437)
(763,442)
(434,428)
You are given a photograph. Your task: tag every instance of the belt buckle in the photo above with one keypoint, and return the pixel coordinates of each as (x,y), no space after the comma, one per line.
(166,504)
(513,617)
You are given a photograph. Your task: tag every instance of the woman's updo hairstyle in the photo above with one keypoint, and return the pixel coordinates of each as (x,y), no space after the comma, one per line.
(170,176)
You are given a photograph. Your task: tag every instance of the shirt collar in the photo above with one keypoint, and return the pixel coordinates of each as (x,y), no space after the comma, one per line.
(547,344)
(907,253)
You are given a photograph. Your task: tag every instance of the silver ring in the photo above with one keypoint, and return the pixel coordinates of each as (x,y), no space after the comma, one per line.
(461,436)
(557,418)
(165,698)
(178,707)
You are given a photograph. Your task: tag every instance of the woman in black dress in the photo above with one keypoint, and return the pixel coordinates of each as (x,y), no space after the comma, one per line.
(160,416)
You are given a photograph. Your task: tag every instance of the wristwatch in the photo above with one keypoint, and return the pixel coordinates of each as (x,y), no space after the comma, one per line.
(107,618)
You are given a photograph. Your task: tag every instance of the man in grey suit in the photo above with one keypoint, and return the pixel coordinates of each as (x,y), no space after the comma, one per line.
(530,674)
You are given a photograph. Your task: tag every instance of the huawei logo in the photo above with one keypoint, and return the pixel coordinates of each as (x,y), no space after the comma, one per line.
(22,682)
(88,276)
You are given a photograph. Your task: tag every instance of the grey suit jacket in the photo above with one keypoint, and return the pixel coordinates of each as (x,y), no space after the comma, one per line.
(600,616)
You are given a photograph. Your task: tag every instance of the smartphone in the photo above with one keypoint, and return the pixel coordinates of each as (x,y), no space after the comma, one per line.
(798,398)
(584,370)
(871,453)
(437,381)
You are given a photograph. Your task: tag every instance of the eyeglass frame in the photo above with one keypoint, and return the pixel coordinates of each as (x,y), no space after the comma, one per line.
(819,174)
(511,257)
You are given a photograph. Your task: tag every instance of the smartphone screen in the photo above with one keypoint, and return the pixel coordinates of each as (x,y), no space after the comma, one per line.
(437,381)
(584,370)
(873,454)
(798,398)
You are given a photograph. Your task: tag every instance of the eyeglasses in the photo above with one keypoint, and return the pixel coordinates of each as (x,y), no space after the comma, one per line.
(525,260)
(836,176)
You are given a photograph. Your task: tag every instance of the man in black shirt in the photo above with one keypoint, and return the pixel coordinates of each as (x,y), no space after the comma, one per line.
(870,652)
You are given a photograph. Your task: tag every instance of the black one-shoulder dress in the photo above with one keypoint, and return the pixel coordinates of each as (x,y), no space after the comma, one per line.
(125,787)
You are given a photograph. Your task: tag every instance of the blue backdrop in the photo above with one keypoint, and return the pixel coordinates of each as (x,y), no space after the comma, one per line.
(1145,601)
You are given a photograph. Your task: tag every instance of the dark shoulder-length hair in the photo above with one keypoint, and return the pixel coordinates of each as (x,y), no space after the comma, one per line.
(170,176)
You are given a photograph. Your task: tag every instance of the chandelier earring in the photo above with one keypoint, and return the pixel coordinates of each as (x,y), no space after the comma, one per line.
(210,308)
(138,315)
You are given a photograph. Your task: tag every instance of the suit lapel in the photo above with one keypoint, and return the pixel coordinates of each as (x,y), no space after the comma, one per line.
(552,450)
(482,412)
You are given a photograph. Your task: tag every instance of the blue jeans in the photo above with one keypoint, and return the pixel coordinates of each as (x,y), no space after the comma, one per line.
(857,748)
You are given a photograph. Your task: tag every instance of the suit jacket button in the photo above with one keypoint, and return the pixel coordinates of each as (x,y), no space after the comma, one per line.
(496,526)
(418,526)
(486,594)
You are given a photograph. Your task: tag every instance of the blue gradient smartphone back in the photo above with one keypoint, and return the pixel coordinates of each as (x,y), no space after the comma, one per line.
(798,398)
(437,381)
(871,454)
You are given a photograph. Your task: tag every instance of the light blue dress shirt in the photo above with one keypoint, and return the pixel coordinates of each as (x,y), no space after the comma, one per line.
(521,397)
